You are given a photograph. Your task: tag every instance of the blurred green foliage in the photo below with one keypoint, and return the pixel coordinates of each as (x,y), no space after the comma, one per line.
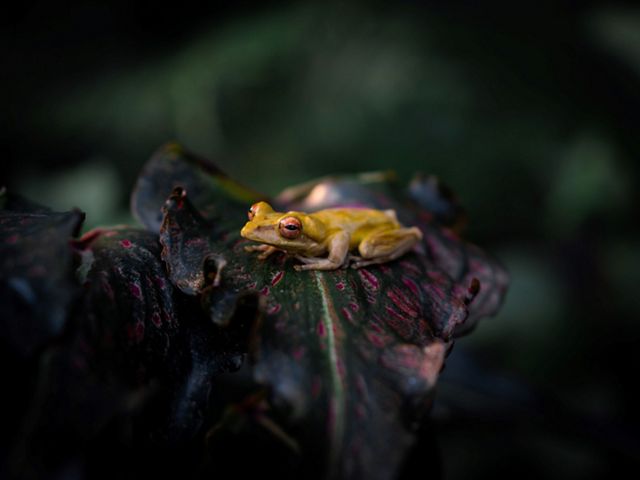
(530,116)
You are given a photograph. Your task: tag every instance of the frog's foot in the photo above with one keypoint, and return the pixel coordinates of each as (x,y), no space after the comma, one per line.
(265,249)
(318,264)
(307,261)
(351,259)
(375,261)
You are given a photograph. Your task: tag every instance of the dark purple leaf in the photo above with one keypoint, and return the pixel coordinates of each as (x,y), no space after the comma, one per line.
(141,355)
(171,166)
(351,356)
(37,283)
(149,332)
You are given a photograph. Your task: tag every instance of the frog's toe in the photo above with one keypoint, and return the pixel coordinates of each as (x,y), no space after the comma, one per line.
(366,263)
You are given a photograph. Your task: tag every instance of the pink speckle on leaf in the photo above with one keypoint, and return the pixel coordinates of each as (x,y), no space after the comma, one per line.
(437,276)
(400,324)
(377,340)
(393,313)
(411,285)
(126,243)
(340,286)
(134,288)
(376,327)
(369,280)
(402,302)
(274,309)
(155,318)
(139,331)
(321,330)
(437,291)
(265,291)
(276,278)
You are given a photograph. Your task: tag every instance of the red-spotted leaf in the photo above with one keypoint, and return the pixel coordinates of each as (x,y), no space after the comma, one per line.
(350,356)
(150,333)
(140,354)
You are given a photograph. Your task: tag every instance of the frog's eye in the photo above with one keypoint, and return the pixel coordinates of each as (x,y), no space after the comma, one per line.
(290,227)
(252,211)
(259,209)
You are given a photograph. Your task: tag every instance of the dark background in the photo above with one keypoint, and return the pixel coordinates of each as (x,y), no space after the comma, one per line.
(531,113)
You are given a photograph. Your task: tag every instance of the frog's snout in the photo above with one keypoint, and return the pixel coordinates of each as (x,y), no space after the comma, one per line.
(245,231)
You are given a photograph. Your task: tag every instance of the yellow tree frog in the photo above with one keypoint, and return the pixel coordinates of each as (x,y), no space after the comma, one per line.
(322,240)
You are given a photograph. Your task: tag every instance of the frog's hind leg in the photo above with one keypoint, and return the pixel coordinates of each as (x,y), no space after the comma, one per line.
(386,245)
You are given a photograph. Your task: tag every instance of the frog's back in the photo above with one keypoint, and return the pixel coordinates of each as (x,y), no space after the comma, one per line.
(359,222)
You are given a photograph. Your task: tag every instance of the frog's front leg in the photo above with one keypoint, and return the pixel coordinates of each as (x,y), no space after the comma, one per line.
(386,245)
(338,246)
(264,248)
